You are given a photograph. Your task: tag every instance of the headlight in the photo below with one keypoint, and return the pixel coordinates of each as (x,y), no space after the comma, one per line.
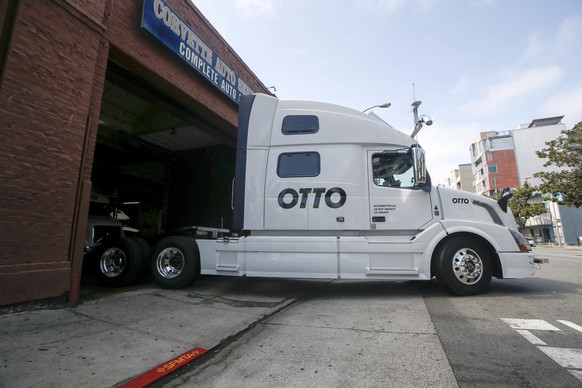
(521,242)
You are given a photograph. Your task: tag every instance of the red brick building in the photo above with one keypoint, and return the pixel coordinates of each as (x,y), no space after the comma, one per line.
(493,162)
(92,103)
(501,170)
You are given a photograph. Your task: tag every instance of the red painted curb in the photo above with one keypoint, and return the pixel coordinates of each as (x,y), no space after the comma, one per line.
(163,369)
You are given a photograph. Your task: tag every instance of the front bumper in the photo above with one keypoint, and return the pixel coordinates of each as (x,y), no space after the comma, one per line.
(517,264)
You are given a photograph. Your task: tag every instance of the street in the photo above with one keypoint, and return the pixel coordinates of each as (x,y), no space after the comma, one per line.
(484,350)
(260,332)
(522,333)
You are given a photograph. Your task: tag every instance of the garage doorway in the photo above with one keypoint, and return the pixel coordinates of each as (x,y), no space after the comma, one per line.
(157,166)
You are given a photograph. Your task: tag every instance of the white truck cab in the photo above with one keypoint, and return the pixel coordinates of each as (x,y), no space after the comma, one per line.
(324,191)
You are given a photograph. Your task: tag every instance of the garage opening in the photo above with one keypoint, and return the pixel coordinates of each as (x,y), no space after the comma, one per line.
(157,167)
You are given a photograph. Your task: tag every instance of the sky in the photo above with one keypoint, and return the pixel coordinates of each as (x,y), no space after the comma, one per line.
(476,65)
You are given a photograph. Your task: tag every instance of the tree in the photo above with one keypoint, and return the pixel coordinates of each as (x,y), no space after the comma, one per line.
(522,207)
(565,152)
(521,204)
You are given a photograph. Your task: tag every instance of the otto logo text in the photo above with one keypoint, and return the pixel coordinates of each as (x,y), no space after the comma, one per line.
(334,198)
(461,200)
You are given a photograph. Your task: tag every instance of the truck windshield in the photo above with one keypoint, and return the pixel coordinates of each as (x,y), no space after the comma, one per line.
(393,170)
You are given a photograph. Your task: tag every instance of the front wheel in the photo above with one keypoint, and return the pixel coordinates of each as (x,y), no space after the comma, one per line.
(175,262)
(465,266)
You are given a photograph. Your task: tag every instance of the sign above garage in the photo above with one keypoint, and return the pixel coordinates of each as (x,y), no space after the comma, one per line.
(163,23)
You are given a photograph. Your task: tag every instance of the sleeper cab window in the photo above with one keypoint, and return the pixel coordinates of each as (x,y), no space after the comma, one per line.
(298,164)
(300,124)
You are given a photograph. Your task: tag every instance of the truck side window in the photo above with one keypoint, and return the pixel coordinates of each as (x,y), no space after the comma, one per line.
(298,164)
(300,124)
(393,170)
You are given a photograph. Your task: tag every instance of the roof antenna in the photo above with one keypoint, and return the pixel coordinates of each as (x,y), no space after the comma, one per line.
(413,93)
(418,122)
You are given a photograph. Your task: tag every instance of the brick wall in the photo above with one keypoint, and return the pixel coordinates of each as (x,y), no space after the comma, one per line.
(506,175)
(44,104)
(50,95)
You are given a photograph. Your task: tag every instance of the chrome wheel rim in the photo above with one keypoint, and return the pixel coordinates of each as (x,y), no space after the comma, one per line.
(170,263)
(112,262)
(467,266)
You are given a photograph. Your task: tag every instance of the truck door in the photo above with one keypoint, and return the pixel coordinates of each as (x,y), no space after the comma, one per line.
(396,202)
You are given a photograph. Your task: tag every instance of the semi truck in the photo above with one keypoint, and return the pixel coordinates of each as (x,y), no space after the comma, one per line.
(325,191)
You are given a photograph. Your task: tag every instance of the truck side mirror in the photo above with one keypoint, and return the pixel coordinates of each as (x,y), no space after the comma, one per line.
(419,165)
(505,197)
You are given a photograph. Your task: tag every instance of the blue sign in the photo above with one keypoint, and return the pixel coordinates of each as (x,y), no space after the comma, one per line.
(163,23)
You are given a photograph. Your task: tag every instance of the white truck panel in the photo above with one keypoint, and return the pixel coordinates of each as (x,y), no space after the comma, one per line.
(261,121)
(498,236)
(312,211)
(338,125)
(514,265)
(299,257)
(379,257)
(221,257)
(254,189)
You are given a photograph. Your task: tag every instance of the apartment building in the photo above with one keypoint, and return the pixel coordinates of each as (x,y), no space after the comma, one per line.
(493,162)
(461,178)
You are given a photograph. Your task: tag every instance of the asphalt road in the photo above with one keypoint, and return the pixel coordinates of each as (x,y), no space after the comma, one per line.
(484,350)
(522,333)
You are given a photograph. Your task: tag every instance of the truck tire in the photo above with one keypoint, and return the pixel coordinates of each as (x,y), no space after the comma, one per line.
(145,251)
(175,262)
(465,266)
(119,262)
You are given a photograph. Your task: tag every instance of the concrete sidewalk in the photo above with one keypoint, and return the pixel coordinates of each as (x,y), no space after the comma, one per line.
(105,342)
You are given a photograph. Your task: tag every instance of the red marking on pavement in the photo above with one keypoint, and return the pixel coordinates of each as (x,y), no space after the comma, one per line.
(163,369)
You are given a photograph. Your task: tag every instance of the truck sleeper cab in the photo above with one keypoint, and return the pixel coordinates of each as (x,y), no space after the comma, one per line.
(324,191)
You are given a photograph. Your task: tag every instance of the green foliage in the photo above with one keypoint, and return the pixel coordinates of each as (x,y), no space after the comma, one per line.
(522,207)
(565,152)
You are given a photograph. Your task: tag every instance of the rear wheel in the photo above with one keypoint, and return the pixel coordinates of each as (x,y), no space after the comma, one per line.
(175,262)
(465,266)
(118,262)
(145,251)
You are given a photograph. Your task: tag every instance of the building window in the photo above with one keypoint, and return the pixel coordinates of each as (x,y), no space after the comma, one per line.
(493,182)
(300,124)
(492,168)
(298,164)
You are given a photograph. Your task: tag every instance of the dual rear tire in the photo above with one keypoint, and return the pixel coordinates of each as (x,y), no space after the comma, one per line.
(121,261)
(175,262)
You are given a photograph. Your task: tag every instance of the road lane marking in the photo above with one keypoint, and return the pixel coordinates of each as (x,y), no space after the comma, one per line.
(577,374)
(531,338)
(572,325)
(570,359)
(529,324)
